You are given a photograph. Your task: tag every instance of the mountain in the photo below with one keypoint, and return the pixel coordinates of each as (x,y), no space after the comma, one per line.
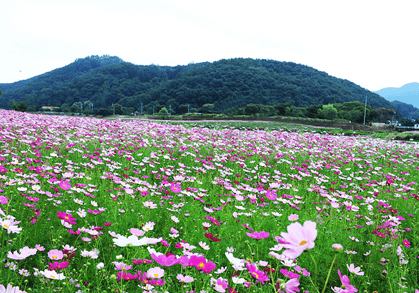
(65,73)
(225,84)
(406,110)
(409,94)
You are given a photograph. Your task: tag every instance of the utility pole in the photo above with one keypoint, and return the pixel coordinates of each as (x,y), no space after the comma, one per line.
(113,109)
(188,108)
(141,108)
(153,110)
(365,109)
(170,111)
(81,104)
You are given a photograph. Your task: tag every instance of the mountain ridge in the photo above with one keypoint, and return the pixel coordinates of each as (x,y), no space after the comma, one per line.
(225,83)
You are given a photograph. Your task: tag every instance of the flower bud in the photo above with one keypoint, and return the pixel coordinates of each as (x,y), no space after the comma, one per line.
(337,247)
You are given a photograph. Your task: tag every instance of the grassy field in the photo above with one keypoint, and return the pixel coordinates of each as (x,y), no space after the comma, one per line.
(93,205)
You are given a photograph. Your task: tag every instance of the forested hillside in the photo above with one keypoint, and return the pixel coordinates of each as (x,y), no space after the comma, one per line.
(224,84)
(406,110)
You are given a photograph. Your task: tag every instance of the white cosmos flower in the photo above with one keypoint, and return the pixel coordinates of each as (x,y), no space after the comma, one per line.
(132,240)
(237,280)
(204,245)
(236,262)
(52,275)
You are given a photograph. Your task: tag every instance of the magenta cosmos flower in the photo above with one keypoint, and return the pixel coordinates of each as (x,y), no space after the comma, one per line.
(201,264)
(270,194)
(299,238)
(345,284)
(175,187)
(3,199)
(65,185)
(164,260)
(258,235)
(289,287)
(257,274)
(66,217)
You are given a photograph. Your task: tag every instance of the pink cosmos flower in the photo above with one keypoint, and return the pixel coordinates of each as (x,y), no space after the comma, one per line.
(120,266)
(355,270)
(10,288)
(65,184)
(219,284)
(155,273)
(345,282)
(164,260)
(289,274)
(293,217)
(257,274)
(3,199)
(270,194)
(406,243)
(58,265)
(175,187)
(258,235)
(126,276)
(66,217)
(184,279)
(24,253)
(201,264)
(55,254)
(299,238)
(137,232)
(289,287)
(10,226)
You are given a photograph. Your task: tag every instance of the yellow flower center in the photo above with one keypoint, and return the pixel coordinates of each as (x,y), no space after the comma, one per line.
(7,227)
(201,265)
(255,275)
(303,242)
(54,256)
(53,277)
(66,217)
(156,275)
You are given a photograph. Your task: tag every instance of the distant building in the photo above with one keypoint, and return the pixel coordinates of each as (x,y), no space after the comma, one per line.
(49,108)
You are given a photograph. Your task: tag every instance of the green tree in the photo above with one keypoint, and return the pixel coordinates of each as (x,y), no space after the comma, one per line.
(328,112)
(87,107)
(251,109)
(406,122)
(207,108)
(163,112)
(76,107)
(21,107)
(65,108)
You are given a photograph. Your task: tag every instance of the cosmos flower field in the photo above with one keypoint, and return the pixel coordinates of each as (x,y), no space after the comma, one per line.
(89,205)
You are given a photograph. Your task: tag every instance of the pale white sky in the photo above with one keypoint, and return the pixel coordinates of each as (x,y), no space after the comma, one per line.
(372,43)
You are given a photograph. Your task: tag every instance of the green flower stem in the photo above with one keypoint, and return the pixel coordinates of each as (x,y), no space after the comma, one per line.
(328,274)
(315,270)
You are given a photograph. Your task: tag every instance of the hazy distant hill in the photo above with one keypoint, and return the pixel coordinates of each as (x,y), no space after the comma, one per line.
(409,94)
(225,84)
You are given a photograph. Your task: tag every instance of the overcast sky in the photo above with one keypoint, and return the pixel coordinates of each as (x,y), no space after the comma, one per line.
(374,44)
